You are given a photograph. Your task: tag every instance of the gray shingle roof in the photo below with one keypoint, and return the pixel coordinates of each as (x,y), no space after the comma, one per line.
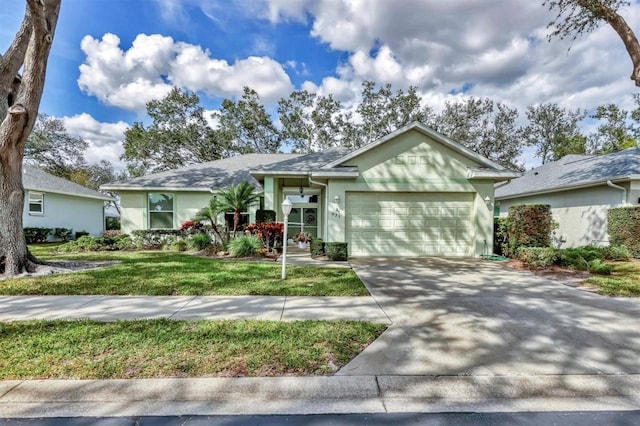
(573,171)
(306,162)
(35,179)
(212,174)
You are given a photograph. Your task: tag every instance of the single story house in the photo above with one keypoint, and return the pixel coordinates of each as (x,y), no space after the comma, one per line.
(580,190)
(53,202)
(413,192)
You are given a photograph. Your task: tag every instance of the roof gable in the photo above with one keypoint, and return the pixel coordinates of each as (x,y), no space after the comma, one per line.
(432,134)
(574,171)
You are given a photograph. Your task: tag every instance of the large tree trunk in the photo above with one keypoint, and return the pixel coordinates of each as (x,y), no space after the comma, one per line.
(19,102)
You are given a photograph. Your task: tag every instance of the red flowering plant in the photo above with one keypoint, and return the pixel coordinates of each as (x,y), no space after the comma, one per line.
(269,233)
(190,227)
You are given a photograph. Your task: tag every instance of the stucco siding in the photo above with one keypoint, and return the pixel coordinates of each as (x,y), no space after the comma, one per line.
(581,213)
(413,163)
(65,211)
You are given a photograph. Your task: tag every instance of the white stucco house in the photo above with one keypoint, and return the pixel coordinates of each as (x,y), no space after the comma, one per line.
(580,190)
(53,202)
(413,192)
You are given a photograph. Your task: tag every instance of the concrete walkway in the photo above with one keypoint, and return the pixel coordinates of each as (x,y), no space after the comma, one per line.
(112,308)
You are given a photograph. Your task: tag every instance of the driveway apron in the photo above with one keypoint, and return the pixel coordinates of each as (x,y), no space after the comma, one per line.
(473,317)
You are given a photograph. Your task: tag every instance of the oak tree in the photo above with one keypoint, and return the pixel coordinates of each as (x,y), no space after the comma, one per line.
(19,103)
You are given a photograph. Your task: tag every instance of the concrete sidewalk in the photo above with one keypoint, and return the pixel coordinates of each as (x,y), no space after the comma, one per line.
(112,308)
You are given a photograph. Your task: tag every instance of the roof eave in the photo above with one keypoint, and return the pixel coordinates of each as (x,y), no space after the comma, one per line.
(118,188)
(567,187)
(70,194)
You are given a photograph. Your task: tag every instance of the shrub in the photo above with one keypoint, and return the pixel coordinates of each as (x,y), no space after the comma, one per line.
(200,241)
(80,234)
(538,257)
(336,251)
(529,225)
(123,242)
(265,216)
(36,235)
(154,238)
(597,266)
(624,228)
(500,239)
(84,243)
(245,246)
(269,233)
(177,245)
(111,233)
(317,247)
(63,234)
(616,253)
(573,259)
(192,227)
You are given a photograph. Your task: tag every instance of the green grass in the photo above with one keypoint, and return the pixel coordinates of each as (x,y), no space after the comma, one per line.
(624,281)
(156,273)
(165,348)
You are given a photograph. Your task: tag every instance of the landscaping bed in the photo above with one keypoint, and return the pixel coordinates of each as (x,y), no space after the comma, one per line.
(167,348)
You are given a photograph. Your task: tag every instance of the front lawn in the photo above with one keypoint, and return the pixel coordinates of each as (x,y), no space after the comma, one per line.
(624,280)
(166,348)
(157,273)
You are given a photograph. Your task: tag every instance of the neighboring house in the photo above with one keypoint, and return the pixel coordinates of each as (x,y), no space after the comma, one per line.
(580,190)
(53,202)
(411,193)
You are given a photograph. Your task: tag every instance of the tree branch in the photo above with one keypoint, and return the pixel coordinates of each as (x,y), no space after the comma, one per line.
(627,36)
(13,58)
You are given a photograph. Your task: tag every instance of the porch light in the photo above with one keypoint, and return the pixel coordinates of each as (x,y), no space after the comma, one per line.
(487,201)
(336,199)
(286,210)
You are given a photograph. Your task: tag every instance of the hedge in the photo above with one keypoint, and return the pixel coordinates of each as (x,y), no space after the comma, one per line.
(336,251)
(265,216)
(37,235)
(529,225)
(624,228)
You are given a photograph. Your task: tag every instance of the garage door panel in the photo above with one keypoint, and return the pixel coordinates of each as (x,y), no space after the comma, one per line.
(409,224)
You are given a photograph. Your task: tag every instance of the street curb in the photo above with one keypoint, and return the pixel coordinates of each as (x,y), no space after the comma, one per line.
(317,395)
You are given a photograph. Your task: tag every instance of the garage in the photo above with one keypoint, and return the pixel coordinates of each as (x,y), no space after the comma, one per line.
(409,224)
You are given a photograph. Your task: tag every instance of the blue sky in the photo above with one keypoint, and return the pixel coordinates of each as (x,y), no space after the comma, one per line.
(111,56)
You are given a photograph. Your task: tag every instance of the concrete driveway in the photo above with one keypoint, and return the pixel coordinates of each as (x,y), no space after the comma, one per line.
(472,317)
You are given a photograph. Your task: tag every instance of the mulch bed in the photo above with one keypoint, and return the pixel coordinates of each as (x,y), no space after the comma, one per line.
(566,276)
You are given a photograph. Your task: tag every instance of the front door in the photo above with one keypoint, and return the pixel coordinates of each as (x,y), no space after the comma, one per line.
(304,215)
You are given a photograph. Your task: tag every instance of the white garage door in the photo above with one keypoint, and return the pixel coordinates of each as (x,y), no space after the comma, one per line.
(409,224)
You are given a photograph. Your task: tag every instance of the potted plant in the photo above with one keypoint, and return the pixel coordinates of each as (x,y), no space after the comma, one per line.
(303,239)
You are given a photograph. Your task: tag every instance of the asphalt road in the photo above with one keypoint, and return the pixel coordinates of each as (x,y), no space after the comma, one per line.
(589,418)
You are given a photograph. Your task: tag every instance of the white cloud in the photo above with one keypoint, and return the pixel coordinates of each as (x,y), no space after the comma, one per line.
(104,139)
(154,63)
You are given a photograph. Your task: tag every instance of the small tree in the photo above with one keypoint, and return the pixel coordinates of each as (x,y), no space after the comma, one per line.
(210,213)
(237,198)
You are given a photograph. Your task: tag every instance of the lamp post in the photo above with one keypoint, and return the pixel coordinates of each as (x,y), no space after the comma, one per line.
(286,209)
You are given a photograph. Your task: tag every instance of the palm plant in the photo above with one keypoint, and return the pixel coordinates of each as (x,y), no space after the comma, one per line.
(237,198)
(210,213)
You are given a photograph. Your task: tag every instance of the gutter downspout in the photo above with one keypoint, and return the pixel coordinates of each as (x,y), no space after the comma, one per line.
(326,205)
(624,191)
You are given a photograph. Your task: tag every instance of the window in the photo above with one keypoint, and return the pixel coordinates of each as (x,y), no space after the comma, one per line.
(36,203)
(244,220)
(160,211)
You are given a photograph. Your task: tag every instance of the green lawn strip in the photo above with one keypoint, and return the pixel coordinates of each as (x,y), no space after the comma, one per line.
(157,273)
(624,281)
(165,348)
